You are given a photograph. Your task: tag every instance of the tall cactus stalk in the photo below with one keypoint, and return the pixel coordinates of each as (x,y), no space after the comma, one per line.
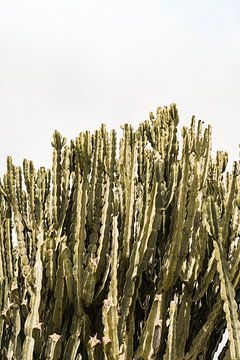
(135,256)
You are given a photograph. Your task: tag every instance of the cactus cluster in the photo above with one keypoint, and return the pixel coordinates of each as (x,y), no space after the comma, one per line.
(122,253)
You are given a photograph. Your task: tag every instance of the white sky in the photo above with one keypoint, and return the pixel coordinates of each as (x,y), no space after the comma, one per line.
(71,65)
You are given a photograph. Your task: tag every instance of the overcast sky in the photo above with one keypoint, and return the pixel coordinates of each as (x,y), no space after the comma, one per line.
(71,65)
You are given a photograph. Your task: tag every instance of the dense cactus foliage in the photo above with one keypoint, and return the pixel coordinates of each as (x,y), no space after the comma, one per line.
(122,253)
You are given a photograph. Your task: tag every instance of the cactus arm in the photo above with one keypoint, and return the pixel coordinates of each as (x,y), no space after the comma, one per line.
(91,347)
(226,290)
(14,347)
(95,268)
(198,249)
(129,188)
(110,307)
(136,257)
(208,153)
(128,290)
(64,190)
(227,218)
(97,147)
(230,306)
(171,187)
(152,221)
(79,237)
(39,200)
(8,244)
(29,202)
(234,266)
(198,146)
(57,145)
(193,204)
(33,316)
(67,263)
(53,348)
(89,281)
(154,322)
(204,333)
(32,217)
(95,205)
(183,321)
(107,210)
(50,261)
(3,284)
(103,280)
(21,241)
(211,269)
(171,341)
(58,294)
(162,202)
(201,338)
(73,342)
(207,278)
(170,260)
(126,349)
(19,189)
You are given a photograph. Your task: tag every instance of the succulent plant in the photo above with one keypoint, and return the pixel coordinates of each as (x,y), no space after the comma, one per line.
(119,257)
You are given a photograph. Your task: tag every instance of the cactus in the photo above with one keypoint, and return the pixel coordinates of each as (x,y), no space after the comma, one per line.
(119,257)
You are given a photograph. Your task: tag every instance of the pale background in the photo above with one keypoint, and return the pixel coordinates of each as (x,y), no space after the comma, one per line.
(71,65)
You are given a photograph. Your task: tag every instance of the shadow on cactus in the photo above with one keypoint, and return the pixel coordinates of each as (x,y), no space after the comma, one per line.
(119,257)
